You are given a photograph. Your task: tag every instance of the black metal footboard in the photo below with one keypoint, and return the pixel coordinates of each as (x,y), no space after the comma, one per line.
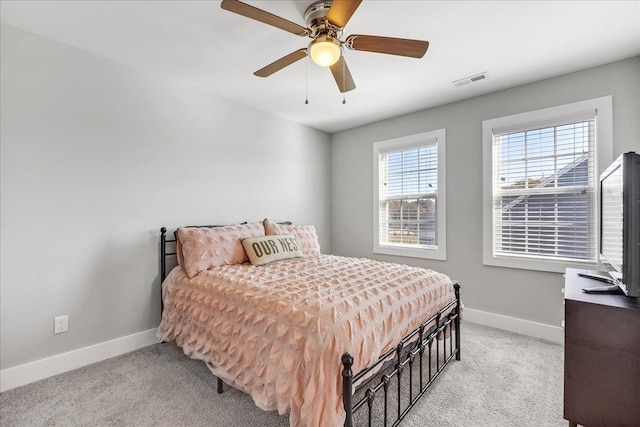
(426,345)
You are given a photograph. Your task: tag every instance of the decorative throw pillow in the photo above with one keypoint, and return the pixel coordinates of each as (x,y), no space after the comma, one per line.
(205,248)
(305,235)
(267,249)
(179,243)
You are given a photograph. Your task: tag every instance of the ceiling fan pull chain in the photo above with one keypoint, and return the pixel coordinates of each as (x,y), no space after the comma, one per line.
(306,83)
(344,84)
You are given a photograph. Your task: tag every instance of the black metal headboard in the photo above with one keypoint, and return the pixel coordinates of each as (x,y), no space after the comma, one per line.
(163,260)
(163,252)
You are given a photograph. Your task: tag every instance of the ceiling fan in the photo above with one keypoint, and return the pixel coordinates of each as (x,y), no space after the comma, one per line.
(326,20)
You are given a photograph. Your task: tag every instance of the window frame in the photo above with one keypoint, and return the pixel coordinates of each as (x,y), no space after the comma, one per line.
(439,252)
(603,156)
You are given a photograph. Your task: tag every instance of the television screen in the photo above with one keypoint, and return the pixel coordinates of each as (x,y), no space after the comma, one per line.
(620,222)
(612,237)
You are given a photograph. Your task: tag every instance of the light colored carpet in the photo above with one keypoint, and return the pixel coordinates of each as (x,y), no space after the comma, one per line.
(503,380)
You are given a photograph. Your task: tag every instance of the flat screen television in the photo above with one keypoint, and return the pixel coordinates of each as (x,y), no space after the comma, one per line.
(620,222)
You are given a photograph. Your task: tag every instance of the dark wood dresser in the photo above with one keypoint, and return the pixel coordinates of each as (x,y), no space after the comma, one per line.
(601,356)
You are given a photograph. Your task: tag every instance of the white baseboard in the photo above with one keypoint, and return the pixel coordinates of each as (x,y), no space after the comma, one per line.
(54,365)
(513,324)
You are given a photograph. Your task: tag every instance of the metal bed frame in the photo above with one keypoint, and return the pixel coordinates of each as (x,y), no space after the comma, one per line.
(426,345)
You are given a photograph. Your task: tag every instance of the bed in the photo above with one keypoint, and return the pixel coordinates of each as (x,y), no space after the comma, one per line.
(311,335)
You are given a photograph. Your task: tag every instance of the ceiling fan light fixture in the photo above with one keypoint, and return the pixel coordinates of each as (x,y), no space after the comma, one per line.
(325,51)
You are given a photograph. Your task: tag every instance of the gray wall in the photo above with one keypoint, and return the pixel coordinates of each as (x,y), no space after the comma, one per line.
(96,157)
(528,295)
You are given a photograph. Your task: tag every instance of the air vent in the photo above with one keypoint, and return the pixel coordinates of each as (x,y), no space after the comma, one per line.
(470,79)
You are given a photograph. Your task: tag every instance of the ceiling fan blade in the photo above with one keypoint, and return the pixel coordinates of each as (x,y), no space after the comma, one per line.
(341,11)
(263,16)
(390,45)
(342,75)
(281,63)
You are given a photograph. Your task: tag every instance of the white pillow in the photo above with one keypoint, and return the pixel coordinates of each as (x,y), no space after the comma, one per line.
(266,249)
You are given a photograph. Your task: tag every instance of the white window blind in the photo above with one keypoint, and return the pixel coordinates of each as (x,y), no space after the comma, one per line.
(409,204)
(544,191)
(408,196)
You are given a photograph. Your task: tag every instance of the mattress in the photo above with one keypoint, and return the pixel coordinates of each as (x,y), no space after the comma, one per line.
(277,331)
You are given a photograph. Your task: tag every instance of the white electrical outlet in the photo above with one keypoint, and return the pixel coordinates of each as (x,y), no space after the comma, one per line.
(61,324)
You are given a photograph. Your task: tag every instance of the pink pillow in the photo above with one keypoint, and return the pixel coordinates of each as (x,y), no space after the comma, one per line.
(205,248)
(305,235)
(179,243)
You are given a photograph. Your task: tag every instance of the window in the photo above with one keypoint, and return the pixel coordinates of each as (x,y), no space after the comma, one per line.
(540,186)
(409,196)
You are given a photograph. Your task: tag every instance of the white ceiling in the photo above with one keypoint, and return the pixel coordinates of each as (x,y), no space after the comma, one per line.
(515,42)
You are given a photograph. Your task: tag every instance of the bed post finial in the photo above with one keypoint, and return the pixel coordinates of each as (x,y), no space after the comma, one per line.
(347,388)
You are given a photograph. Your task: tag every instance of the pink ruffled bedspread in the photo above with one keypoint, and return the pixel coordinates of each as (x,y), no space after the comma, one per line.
(278,331)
